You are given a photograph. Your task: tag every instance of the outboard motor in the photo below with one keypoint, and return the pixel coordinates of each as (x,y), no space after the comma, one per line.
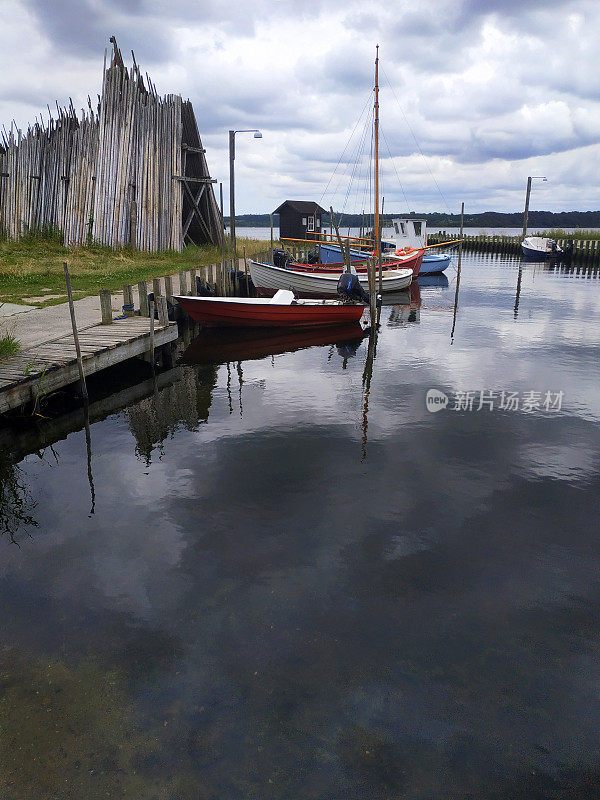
(350,290)
(280,258)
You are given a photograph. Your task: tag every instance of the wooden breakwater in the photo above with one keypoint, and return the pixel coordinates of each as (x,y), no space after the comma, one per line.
(583,251)
(130,172)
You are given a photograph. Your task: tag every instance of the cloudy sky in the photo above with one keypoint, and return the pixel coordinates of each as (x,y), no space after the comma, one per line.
(475,95)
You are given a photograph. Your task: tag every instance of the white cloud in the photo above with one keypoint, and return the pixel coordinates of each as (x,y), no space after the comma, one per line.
(491,94)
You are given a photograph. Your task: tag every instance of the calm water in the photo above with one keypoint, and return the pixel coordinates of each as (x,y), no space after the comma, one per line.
(265,233)
(283,577)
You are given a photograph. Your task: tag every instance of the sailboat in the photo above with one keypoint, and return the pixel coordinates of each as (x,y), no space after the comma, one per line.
(319,280)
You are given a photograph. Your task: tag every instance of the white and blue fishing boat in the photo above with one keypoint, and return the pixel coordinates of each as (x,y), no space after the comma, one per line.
(412,233)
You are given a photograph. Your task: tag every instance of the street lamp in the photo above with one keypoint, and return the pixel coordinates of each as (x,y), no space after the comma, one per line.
(257,135)
(532,178)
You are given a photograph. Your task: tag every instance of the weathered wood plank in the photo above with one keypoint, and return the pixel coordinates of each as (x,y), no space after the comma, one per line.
(16,394)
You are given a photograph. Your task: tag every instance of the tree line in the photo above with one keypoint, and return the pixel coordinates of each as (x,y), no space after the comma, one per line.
(487,219)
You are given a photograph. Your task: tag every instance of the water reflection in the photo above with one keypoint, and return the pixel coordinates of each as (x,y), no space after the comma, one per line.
(183,403)
(367,376)
(219,346)
(332,593)
(17,505)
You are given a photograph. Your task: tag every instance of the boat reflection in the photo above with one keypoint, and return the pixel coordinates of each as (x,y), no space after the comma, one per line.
(405,306)
(441,281)
(221,345)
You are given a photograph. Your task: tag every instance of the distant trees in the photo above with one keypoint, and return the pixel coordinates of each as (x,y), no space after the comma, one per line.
(487,219)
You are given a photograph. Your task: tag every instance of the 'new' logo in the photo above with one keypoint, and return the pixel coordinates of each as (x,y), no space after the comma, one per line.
(435,400)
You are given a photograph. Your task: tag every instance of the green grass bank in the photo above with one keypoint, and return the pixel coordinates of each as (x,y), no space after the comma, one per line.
(31,270)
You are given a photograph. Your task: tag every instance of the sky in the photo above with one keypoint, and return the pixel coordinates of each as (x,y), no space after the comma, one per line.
(475,95)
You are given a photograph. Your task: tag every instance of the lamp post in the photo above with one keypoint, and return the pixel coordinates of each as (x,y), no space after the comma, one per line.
(257,135)
(532,178)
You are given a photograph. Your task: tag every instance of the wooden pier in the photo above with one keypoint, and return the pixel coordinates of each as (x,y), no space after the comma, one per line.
(35,372)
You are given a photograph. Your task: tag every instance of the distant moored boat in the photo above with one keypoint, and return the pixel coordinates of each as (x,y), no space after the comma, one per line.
(540,246)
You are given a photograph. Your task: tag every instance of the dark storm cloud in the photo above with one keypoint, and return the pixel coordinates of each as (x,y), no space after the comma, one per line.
(83,27)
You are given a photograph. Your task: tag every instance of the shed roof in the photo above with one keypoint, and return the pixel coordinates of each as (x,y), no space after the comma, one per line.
(301,206)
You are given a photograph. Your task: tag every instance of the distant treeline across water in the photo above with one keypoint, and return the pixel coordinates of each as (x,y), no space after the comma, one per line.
(488,219)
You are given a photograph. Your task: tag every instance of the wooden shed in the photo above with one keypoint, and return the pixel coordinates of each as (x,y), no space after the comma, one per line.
(299,217)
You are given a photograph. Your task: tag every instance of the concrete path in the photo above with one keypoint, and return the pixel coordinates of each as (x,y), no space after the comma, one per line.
(10,309)
(32,326)
(45,324)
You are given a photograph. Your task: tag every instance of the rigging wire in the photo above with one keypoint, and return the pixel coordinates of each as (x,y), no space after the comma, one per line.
(346,147)
(359,156)
(353,159)
(396,171)
(417,142)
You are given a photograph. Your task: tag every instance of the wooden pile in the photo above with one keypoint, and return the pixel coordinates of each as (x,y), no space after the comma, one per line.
(115,177)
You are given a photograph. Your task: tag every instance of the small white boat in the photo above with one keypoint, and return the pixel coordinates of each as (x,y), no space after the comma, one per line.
(540,247)
(268,278)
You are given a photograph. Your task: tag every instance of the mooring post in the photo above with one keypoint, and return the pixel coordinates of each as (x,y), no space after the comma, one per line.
(163,313)
(156,288)
(106,306)
(246,271)
(169,288)
(128,306)
(152,333)
(193,287)
(182,284)
(222,275)
(143,295)
(75,335)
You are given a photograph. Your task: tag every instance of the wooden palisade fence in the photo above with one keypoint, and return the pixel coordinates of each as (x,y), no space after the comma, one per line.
(131,173)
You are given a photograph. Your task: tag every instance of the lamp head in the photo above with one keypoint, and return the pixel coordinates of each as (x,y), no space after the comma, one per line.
(258,135)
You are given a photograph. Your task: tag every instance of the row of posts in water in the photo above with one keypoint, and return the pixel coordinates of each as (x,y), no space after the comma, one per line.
(582,250)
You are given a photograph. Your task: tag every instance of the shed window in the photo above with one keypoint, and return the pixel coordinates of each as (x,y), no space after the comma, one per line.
(417,228)
(311,223)
(396,227)
(304,221)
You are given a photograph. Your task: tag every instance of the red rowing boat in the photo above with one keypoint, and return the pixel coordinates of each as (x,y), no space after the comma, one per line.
(282,310)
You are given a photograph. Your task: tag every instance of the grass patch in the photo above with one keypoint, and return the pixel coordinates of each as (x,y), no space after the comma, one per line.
(558,233)
(9,346)
(33,266)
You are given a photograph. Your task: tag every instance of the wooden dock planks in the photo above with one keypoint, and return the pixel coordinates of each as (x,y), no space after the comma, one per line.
(53,364)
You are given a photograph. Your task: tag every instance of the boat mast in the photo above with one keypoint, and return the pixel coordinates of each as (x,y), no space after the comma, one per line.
(376,223)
